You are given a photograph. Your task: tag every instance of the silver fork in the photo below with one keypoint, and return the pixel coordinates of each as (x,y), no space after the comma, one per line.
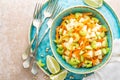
(49,23)
(36,22)
(36,16)
(49,10)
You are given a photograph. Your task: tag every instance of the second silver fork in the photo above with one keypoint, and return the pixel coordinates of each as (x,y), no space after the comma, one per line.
(49,23)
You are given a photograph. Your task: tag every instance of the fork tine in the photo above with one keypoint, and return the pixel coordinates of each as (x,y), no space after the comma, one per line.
(35,10)
(52,5)
(56,11)
(49,4)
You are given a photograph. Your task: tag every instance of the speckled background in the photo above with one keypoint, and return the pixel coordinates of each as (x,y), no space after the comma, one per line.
(15,20)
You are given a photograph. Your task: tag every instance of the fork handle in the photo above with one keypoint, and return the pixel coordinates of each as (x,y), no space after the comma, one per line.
(43,35)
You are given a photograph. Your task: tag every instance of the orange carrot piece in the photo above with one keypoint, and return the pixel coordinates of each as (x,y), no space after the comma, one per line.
(100,40)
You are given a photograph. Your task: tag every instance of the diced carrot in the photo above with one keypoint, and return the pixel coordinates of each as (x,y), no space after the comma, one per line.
(80,65)
(76,52)
(100,40)
(87,14)
(93,61)
(57,33)
(70,55)
(85,55)
(102,29)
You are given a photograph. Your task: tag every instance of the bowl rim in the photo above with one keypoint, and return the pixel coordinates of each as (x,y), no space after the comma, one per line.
(111,35)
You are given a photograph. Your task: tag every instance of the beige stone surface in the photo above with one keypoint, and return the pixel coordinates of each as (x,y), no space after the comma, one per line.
(15,20)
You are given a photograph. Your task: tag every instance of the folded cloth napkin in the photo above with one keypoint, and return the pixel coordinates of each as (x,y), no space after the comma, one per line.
(111,71)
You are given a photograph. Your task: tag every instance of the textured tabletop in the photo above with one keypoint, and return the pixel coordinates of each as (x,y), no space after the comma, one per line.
(15,20)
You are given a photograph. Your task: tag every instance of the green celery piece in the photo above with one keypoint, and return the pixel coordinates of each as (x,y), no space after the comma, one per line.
(40,64)
(88,62)
(60,46)
(58,41)
(77,15)
(83,33)
(88,47)
(81,58)
(75,44)
(88,65)
(70,31)
(63,56)
(81,52)
(104,43)
(66,58)
(66,21)
(107,49)
(102,34)
(95,19)
(93,45)
(60,51)
(60,31)
(77,37)
(104,51)
(73,61)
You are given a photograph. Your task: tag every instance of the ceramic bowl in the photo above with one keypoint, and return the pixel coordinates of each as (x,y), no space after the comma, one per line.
(57,21)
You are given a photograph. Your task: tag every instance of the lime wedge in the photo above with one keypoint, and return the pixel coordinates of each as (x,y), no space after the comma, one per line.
(52,65)
(60,76)
(94,3)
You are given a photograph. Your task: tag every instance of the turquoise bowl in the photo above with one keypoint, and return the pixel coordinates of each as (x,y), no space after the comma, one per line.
(57,21)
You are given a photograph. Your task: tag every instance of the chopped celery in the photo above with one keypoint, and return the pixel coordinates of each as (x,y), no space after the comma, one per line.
(95,19)
(105,50)
(102,34)
(83,33)
(88,47)
(73,61)
(81,52)
(75,44)
(81,58)
(77,15)
(104,43)
(60,51)
(98,37)
(60,31)
(93,45)
(66,58)
(88,65)
(63,56)
(69,47)
(66,21)
(88,62)
(58,41)
(71,30)
(60,46)
(77,37)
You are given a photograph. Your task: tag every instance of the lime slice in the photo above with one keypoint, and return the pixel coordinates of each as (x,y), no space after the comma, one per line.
(52,65)
(60,76)
(94,3)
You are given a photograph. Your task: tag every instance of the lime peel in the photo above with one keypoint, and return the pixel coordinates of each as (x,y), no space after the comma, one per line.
(52,65)
(60,76)
(94,3)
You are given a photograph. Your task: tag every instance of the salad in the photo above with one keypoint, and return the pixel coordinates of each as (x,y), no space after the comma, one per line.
(81,40)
